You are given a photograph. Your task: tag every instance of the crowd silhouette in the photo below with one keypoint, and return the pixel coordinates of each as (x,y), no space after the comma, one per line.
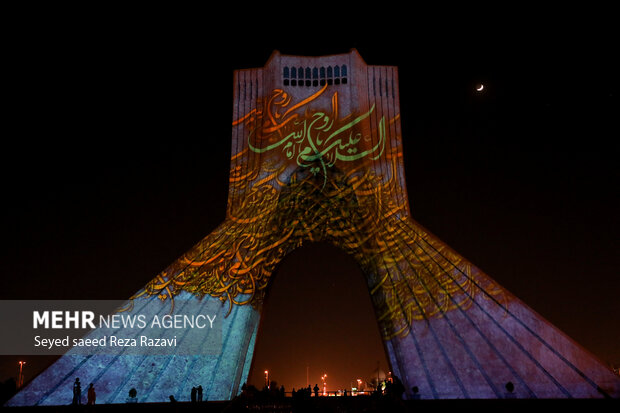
(196,394)
(387,396)
(389,389)
(388,393)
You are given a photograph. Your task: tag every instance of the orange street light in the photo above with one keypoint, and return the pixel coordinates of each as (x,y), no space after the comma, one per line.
(20,379)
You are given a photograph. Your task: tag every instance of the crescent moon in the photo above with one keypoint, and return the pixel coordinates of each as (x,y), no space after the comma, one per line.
(480,87)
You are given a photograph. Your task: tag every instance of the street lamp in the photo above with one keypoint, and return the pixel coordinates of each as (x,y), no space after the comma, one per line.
(20,379)
(267,378)
(324,384)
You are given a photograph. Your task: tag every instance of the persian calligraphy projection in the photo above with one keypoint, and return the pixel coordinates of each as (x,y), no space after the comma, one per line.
(317,156)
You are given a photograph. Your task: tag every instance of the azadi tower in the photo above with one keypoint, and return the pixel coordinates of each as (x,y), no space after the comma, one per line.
(317,156)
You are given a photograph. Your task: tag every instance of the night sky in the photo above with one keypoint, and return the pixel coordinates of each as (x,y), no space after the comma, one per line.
(116,148)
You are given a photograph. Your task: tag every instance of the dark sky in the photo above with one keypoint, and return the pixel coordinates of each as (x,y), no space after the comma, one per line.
(116,150)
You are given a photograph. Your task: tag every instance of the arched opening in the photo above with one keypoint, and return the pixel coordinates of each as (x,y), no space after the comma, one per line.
(318,319)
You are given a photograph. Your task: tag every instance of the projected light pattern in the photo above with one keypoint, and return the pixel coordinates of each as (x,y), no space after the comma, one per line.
(328,196)
(324,162)
(355,209)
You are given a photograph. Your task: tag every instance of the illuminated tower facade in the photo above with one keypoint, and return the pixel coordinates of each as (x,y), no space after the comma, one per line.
(317,156)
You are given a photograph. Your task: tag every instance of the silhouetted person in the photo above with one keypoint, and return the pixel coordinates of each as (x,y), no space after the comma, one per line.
(316,390)
(199,392)
(388,389)
(397,388)
(193,394)
(77,392)
(345,392)
(133,396)
(416,394)
(172,399)
(509,390)
(92,396)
